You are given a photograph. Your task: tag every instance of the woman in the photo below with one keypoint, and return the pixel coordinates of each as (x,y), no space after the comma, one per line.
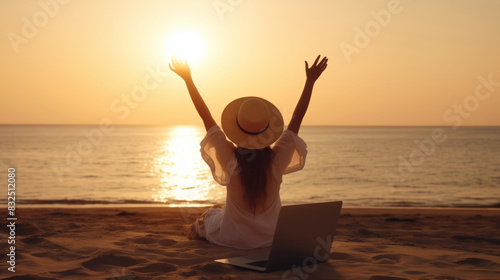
(251,170)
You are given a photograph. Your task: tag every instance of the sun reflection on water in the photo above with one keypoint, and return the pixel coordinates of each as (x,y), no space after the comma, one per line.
(184,178)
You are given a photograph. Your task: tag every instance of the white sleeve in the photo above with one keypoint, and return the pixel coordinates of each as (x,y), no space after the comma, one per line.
(218,153)
(290,152)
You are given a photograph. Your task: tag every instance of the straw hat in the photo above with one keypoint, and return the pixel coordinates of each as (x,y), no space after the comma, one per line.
(252,122)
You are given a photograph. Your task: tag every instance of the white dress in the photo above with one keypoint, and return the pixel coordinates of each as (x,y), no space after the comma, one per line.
(235,225)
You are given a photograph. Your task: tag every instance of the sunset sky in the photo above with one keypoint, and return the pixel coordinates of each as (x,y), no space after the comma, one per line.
(390,62)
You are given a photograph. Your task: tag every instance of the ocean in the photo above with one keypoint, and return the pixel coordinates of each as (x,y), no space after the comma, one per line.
(155,165)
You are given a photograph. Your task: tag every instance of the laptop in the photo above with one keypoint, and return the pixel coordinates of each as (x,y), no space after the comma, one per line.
(303,236)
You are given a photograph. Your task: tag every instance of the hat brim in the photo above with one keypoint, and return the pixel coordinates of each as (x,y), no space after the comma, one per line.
(245,140)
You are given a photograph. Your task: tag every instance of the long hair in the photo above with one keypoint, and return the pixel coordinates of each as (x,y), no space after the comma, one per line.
(254,169)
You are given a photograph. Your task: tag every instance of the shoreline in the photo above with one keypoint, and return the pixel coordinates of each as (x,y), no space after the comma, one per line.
(376,209)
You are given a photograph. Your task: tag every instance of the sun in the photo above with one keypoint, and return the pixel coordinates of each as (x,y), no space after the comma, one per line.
(185,44)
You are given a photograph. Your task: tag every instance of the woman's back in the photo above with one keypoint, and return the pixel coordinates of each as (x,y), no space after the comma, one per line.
(237,224)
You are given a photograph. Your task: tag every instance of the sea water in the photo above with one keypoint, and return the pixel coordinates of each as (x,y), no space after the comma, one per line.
(154,165)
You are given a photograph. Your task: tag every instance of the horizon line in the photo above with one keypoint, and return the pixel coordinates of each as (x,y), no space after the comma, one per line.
(335,125)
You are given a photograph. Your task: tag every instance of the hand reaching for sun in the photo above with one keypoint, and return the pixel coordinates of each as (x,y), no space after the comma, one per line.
(181,68)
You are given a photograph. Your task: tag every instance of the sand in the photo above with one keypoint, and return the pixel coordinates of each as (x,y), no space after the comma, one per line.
(148,243)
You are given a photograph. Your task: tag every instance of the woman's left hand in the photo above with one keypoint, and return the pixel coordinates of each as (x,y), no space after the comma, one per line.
(316,69)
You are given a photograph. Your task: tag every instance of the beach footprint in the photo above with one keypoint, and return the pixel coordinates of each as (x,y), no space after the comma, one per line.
(155,269)
(167,242)
(105,261)
(141,240)
(387,258)
(478,262)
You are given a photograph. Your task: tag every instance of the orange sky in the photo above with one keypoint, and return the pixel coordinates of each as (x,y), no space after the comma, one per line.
(79,62)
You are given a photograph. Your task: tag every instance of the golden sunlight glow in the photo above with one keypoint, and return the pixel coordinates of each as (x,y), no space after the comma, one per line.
(383,64)
(184,177)
(186,45)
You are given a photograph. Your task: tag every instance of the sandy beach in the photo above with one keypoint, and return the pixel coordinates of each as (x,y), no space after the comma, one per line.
(149,243)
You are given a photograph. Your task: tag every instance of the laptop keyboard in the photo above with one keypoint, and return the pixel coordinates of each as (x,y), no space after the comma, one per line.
(259,263)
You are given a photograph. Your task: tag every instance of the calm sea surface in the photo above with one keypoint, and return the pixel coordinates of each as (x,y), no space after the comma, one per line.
(363,166)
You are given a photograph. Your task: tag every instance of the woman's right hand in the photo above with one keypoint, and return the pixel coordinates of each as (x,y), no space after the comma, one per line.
(316,69)
(181,68)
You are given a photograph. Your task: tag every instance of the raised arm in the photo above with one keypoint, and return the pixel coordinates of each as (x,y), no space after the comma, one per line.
(312,74)
(181,68)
